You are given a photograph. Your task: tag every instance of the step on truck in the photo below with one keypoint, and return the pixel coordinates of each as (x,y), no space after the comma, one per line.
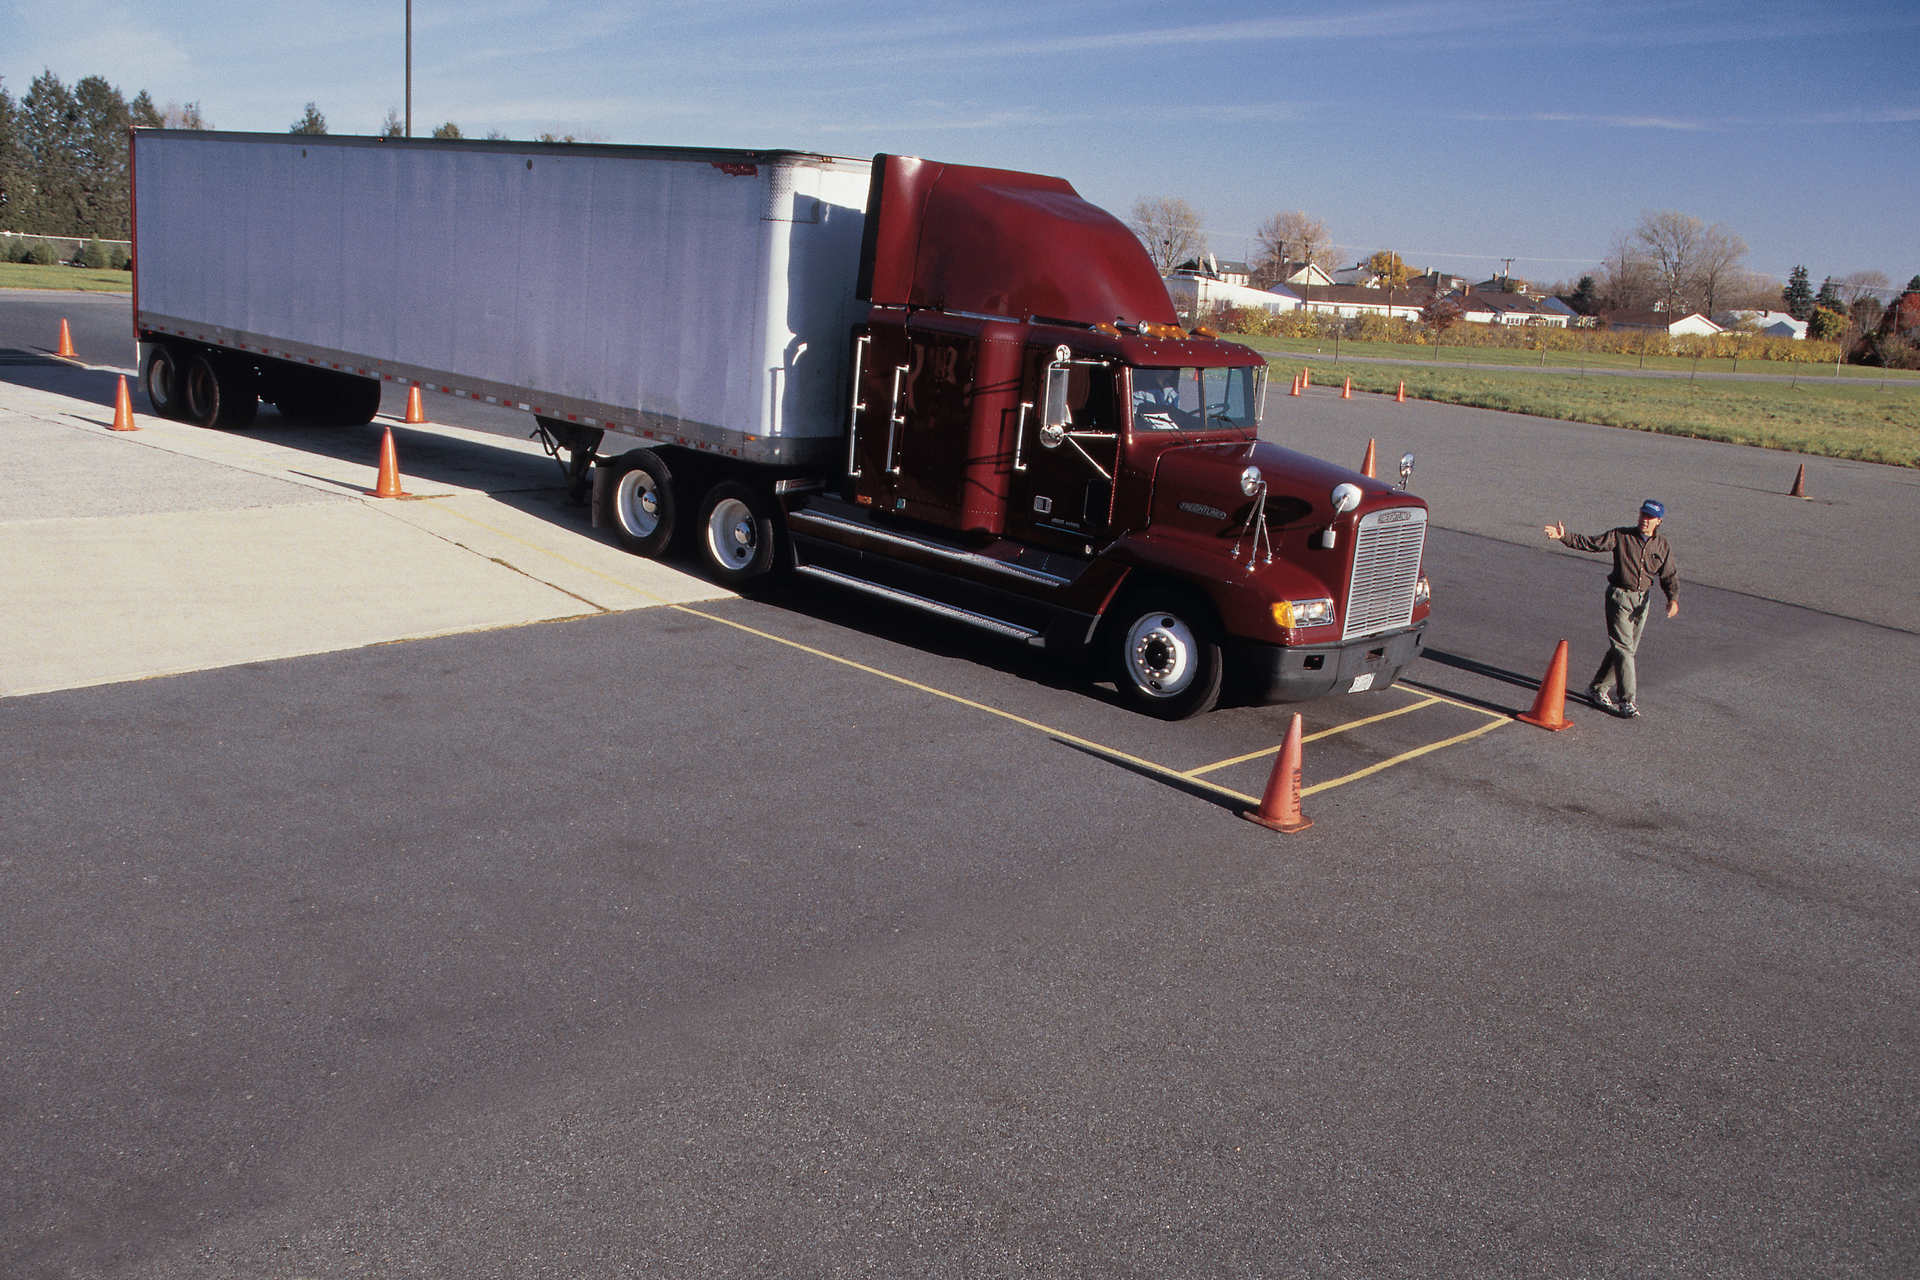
(962,390)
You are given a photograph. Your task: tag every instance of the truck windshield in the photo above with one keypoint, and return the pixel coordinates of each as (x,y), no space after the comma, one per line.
(1194,399)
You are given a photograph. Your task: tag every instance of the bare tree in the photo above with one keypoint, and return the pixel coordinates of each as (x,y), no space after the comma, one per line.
(1671,243)
(1856,285)
(1170,228)
(1717,262)
(1292,237)
(1627,278)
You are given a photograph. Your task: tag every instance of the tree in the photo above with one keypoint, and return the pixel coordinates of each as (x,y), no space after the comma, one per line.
(144,114)
(1586,297)
(448,130)
(1387,268)
(1717,263)
(1671,242)
(1291,239)
(1170,228)
(394,127)
(13,173)
(1627,278)
(178,116)
(311,122)
(1797,297)
(1913,286)
(1858,285)
(1442,312)
(1829,296)
(1826,324)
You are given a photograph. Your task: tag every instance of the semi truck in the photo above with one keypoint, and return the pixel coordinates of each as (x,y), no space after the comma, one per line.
(959,389)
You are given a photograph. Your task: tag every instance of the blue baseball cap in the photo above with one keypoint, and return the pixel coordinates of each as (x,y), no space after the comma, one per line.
(1657,510)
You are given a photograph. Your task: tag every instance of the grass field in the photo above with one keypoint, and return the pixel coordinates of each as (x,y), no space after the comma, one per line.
(1848,419)
(24,275)
(1473,357)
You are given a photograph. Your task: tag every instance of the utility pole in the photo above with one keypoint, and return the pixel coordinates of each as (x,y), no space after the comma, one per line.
(1506,273)
(409,125)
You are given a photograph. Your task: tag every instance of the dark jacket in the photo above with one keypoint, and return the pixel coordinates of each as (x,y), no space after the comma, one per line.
(1637,561)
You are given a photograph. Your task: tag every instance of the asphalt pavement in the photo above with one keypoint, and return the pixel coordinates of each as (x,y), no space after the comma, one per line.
(577,933)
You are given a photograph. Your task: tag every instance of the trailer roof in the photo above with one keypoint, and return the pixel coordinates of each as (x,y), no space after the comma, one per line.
(710,155)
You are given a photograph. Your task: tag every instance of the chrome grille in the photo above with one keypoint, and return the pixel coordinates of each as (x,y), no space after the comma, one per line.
(1386,567)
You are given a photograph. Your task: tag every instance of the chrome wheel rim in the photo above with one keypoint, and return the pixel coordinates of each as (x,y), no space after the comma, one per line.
(732,534)
(1161,655)
(636,503)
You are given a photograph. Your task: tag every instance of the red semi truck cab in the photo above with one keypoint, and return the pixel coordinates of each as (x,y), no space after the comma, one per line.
(1037,448)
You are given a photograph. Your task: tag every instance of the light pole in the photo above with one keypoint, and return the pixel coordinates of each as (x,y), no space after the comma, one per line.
(409,124)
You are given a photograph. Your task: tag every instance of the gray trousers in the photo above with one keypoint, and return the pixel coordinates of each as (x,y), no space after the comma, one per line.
(1626,619)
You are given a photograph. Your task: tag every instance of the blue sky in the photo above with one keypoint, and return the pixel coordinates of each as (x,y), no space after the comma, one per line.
(1456,133)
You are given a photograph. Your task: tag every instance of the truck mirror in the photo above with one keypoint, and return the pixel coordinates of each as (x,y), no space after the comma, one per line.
(1054,415)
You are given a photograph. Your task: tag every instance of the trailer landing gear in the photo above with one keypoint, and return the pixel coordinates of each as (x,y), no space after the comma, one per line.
(581,443)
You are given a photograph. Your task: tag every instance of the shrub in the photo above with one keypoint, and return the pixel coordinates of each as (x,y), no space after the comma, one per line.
(93,255)
(121,259)
(41,254)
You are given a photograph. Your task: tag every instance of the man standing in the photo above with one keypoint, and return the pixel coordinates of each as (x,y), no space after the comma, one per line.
(1639,556)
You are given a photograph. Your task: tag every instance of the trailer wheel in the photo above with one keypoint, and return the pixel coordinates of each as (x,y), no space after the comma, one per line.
(738,535)
(219,394)
(641,504)
(1164,656)
(164,380)
(352,400)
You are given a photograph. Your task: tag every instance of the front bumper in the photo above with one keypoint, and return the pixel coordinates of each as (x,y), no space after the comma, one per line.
(1262,673)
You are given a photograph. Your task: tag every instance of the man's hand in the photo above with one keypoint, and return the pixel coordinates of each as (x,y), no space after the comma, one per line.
(1556,531)
(1673,607)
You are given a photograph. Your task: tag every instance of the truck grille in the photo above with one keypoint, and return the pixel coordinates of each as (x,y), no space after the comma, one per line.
(1386,567)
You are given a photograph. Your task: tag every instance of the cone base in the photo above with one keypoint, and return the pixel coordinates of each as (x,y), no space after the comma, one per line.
(1276,824)
(1542,723)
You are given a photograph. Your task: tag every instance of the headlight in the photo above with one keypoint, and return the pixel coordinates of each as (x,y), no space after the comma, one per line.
(1303,613)
(1422,591)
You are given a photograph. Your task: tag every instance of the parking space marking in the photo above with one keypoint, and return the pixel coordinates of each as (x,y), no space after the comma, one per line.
(1313,737)
(1191,778)
(1492,724)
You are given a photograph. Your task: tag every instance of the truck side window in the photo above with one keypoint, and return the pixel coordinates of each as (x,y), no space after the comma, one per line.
(1090,398)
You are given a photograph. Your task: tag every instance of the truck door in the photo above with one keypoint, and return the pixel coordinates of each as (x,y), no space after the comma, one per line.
(1067,448)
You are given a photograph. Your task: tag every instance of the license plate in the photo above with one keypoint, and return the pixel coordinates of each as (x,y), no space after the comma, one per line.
(1361,683)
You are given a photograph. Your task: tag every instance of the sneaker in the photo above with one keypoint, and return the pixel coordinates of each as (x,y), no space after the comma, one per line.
(1628,710)
(1602,699)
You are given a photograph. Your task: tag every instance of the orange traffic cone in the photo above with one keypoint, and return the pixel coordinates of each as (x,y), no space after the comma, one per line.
(1550,707)
(1799,489)
(1346,392)
(66,341)
(389,484)
(1280,804)
(1401,396)
(1366,466)
(414,412)
(1296,386)
(1306,378)
(122,409)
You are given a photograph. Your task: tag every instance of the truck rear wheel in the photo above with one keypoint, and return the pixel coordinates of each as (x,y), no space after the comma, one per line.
(220,394)
(641,503)
(164,381)
(1164,657)
(738,535)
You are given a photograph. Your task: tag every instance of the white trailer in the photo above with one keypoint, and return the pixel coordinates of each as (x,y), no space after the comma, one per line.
(693,297)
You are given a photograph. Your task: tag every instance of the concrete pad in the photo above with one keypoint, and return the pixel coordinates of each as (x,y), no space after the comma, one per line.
(94,601)
(173,548)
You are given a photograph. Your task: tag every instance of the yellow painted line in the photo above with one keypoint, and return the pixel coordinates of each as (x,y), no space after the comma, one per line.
(1404,756)
(1059,734)
(1314,737)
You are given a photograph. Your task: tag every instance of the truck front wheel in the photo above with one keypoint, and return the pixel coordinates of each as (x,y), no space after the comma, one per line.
(738,536)
(641,504)
(1164,656)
